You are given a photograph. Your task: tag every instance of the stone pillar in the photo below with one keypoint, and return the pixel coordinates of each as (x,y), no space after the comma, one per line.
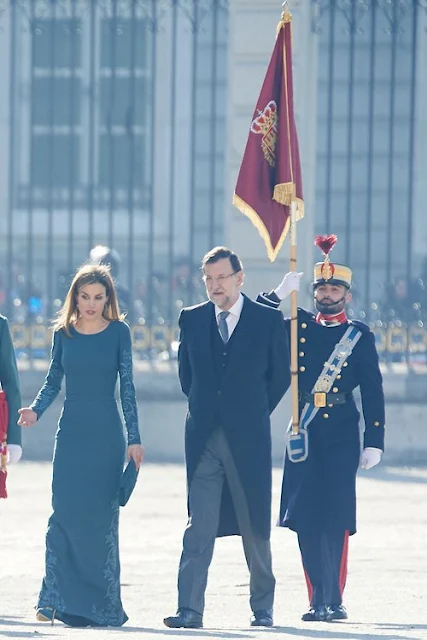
(252,33)
(419,236)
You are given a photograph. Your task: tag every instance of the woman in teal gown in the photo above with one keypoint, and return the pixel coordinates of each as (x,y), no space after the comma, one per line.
(91,349)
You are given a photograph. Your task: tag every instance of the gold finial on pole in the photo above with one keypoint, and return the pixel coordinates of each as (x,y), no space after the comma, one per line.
(286,15)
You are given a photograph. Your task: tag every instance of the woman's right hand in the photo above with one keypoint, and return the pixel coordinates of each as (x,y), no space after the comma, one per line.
(28,417)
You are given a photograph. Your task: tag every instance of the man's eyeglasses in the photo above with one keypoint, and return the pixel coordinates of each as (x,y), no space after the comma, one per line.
(222,278)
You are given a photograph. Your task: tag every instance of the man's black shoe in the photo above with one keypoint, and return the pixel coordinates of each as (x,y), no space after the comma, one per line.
(336,612)
(315,614)
(262,618)
(184,619)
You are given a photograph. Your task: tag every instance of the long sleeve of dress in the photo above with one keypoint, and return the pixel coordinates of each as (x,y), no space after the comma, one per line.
(127,387)
(52,384)
(10,382)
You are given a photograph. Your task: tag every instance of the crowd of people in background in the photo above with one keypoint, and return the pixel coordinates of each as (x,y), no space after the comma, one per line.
(28,303)
(155,304)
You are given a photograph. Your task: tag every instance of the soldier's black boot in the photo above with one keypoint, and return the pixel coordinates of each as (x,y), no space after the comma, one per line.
(315,614)
(336,612)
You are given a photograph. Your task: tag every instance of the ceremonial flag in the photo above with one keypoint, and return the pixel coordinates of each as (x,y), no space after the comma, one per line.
(270,174)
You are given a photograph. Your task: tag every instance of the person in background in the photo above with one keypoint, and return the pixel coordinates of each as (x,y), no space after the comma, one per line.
(109,257)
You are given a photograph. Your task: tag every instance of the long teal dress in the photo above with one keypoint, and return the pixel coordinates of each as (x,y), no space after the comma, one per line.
(82,579)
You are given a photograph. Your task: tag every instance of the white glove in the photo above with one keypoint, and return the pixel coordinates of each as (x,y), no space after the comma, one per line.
(289,283)
(14,453)
(370,457)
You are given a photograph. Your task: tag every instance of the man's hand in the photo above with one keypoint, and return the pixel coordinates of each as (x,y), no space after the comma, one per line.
(136,452)
(289,283)
(370,457)
(14,453)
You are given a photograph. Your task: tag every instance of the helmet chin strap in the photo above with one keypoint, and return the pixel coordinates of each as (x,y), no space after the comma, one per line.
(331,319)
(323,308)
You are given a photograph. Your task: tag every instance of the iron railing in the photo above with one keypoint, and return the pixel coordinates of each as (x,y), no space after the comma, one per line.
(116,137)
(116,131)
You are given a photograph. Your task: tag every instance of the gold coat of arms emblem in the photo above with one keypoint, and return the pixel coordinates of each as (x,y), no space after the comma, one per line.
(265,124)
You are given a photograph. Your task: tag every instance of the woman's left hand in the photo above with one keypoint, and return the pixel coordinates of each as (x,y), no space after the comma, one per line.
(136,452)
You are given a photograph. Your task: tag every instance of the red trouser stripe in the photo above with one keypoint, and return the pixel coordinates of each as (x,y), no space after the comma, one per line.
(309,585)
(344,563)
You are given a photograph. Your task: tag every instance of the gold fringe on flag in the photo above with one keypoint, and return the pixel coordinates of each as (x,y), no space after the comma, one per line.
(253,216)
(284,193)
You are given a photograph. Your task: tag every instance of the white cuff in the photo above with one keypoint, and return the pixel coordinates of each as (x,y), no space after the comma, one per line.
(371,456)
(14,453)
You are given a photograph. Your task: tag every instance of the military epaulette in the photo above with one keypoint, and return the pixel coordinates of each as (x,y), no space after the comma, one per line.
(360,325)
(304,312)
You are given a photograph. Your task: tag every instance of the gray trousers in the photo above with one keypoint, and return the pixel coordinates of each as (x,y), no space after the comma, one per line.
(215,465)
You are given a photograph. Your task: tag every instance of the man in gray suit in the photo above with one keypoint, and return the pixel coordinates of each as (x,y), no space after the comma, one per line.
(234,369)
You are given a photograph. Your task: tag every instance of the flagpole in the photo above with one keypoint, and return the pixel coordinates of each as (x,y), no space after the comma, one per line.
(294,295)
(294,322)
(269,189)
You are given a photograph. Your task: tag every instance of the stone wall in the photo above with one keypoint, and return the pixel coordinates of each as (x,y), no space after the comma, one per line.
(162,410)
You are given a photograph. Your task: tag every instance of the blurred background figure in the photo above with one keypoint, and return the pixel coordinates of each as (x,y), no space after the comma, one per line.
(107,256)
(402,301)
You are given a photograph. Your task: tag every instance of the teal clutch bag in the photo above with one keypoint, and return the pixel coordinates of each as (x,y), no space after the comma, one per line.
(128,482)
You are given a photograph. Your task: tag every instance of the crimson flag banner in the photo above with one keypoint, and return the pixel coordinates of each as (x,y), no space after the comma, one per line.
(270,174)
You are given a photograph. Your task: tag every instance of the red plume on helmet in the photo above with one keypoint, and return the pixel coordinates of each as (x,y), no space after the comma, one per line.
(327,271)
(326,243)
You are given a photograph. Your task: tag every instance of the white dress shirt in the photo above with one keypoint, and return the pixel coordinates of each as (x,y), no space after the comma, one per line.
(233,314)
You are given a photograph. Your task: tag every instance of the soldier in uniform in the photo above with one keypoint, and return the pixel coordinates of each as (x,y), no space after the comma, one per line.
(9,381)
(318,498)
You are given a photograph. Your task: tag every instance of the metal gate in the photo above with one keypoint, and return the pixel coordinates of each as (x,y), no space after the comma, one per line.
(115,133)
(366,149)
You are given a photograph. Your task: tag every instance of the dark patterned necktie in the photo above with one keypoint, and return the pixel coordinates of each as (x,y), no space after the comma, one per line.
(222,325)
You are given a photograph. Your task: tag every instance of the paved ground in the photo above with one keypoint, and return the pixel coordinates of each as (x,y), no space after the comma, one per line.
(387,588)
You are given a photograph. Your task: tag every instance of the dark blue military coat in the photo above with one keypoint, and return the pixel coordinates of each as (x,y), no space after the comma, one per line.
(238,394)
(320,493)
